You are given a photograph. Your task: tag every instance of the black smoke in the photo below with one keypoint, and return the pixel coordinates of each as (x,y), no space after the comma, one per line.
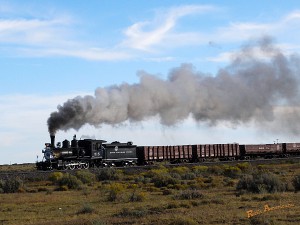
(259,79)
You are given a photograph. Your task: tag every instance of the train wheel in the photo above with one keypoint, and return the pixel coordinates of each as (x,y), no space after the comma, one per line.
(72,166)
(85,165)
(64,166)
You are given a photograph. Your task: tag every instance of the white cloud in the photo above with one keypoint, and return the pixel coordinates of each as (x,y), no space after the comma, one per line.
(80,52)
(147,34)
(56,34)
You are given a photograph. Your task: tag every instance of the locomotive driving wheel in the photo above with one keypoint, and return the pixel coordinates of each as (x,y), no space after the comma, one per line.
(71,166)
(85,165)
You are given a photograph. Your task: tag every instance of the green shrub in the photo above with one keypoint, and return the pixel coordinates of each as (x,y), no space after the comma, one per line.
(189,176)
(85,176)
(12,185)
(260,183)
(109,174)
(199,169)
(155,172)
(163,180)
(181,170)
(55,177)
(137,196)
(228,182)
(167,192)
(296,182)
(114,191)
(217,170)
(134,212)
(70,181)
(189,194)
(62,188)
(232,171)
(244,166)
(86,209)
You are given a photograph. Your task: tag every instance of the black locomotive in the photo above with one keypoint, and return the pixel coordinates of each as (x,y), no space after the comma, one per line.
(86,153)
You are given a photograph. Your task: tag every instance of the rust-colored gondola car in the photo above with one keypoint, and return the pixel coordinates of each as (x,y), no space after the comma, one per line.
(292,148)
(263,150)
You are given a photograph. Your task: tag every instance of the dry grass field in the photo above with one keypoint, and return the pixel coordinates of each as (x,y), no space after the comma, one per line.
(199,195)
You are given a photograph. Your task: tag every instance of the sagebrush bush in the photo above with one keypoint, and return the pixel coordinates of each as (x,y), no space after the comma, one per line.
(12,185)
(55,176)
(163,180)
(296,182)
(137,196)
(70,181)
(216,169)
(189,194)
(244,166)
(109,174)
(232,171)
(181,170)
(86,208)
(85,176)
(115,191)
(199,170)
(134,212)
(261,183)
(189,176)
(167,192)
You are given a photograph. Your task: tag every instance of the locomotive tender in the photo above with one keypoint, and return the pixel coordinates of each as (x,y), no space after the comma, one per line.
(97,153)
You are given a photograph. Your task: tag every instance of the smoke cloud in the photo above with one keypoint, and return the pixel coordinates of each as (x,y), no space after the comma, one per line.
(259,79)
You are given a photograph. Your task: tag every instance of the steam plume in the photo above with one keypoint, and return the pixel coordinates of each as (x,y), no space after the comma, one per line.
(260,78)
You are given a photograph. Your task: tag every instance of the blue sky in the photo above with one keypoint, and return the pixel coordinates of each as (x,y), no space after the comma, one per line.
(51,51)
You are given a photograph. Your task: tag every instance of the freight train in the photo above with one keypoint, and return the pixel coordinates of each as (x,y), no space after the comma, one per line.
(98,153)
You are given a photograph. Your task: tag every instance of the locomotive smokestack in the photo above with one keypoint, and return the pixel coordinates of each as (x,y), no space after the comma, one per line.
(52,137)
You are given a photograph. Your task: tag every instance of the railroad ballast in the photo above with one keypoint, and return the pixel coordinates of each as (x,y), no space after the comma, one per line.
(98,153)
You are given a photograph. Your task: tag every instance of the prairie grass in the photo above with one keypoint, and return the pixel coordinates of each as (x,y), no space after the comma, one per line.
(155,197)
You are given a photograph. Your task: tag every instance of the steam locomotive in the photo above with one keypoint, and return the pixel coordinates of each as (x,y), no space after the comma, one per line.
(97,153)
(86,153)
